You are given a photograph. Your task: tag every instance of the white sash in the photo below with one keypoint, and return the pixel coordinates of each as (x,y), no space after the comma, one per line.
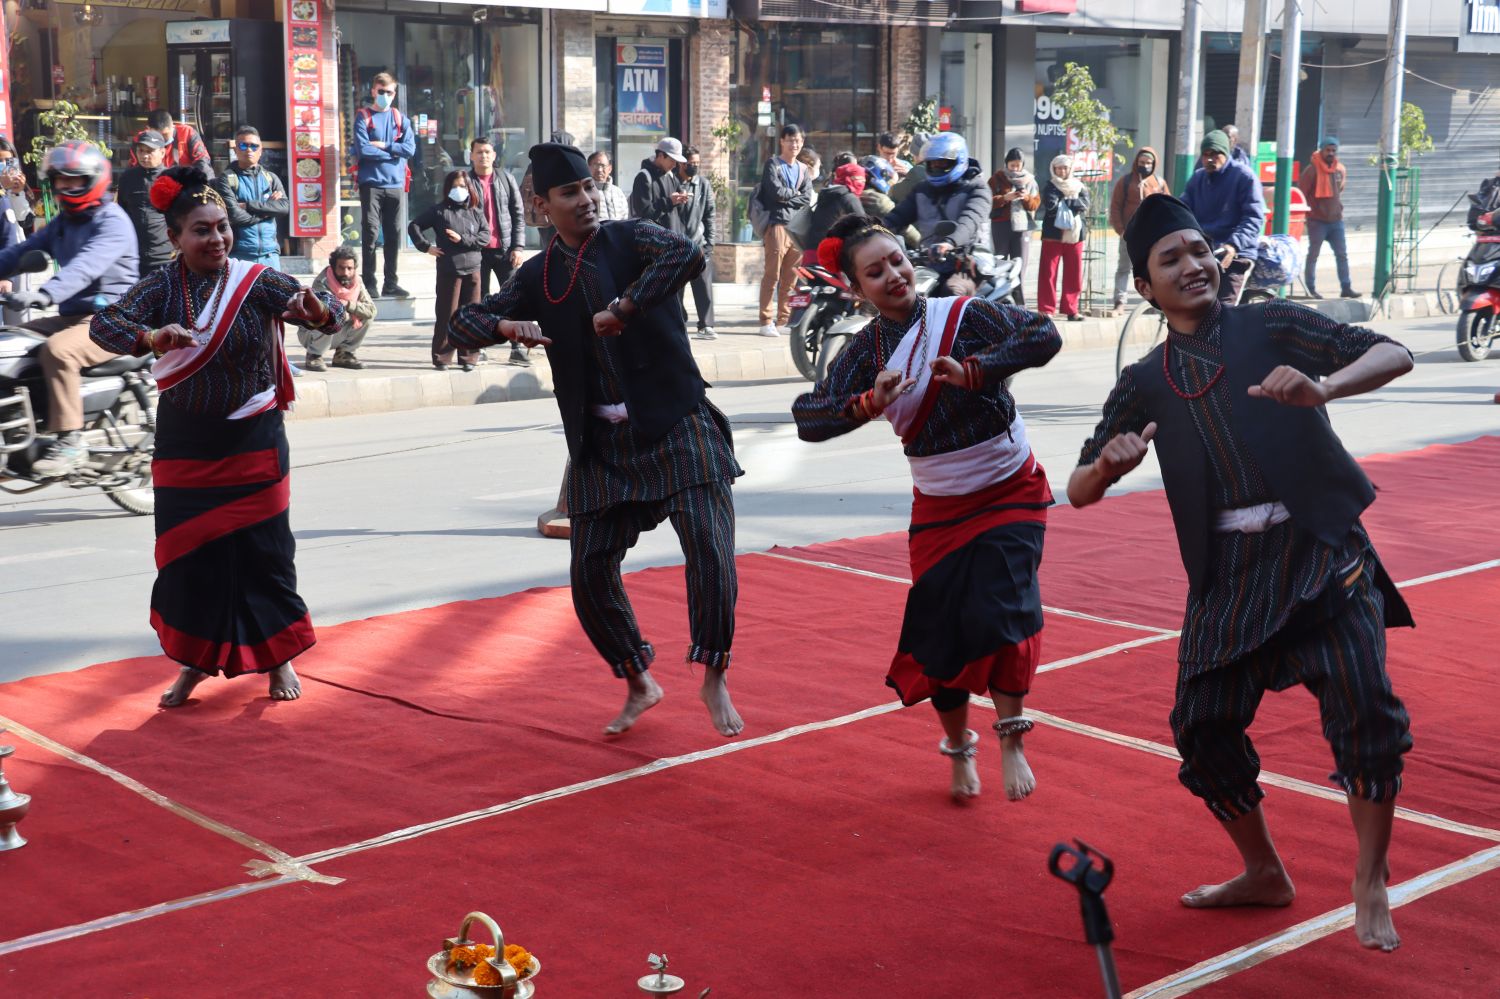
(904,410)
(958,473)
(176,366)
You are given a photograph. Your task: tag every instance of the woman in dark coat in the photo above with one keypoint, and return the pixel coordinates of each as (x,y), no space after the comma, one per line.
(460,233)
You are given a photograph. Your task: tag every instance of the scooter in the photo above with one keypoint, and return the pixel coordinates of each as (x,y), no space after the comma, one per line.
(825,314)
(1479,289)
(119,414)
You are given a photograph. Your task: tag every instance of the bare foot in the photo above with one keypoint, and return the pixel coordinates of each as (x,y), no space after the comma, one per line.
(1372,915)
(1019,781)
(965,779)
(715,695)
(176,695)
(644,694)
(284,683)
(1271,888)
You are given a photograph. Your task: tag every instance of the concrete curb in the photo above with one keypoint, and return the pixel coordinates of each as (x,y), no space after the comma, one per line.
(723,363)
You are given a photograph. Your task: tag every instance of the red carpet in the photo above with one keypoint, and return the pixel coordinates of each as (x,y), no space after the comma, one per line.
(832,857)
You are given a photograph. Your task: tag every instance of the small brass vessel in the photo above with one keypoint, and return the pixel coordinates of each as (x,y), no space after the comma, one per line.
(450,981)
(13,807)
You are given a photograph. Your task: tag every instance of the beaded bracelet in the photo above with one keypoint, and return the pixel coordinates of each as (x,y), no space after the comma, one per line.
(973,374)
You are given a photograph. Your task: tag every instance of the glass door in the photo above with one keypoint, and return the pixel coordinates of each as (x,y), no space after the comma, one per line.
(438,99)
(187,88)
(219,124)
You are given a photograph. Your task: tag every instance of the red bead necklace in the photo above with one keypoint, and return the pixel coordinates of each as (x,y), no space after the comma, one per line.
(208,306)
(1167,370)
(577,266)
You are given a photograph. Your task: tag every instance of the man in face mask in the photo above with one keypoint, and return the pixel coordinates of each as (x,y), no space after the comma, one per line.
(693,217)
(1130,190)
(384,142)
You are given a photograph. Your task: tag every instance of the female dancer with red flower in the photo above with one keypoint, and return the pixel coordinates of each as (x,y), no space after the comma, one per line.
(936,369)
(225,598)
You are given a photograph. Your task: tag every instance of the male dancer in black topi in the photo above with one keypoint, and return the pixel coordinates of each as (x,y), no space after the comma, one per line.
(1284,585)
(645,444)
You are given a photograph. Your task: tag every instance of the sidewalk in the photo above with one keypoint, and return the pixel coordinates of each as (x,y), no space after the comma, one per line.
(398,373)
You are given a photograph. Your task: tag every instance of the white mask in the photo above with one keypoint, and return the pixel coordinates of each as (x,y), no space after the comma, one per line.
(458,195)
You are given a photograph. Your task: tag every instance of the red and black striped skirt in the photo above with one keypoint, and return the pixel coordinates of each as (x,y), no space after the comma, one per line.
(225,599)
(974,613)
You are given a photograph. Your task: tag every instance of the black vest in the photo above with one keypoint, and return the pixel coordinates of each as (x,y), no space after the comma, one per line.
(658,375)
(1300,457)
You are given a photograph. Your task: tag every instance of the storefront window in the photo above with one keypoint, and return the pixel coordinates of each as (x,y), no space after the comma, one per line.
(1129,74)
(822,78)
(964,79)
(457,80)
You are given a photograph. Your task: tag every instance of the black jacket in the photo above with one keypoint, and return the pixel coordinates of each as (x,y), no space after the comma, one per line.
(651,195)
(966,204)
(510,215)
(1051,199)
(134,196)
(783,202)
(834,203)
(462,256)
(1303,461)
(695,220)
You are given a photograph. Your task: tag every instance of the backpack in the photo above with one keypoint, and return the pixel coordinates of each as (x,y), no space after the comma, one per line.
(367,114)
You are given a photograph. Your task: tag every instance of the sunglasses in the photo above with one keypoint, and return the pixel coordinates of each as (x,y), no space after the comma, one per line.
(249,147)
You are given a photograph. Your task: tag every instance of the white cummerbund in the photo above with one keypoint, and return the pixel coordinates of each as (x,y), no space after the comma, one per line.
(959,473)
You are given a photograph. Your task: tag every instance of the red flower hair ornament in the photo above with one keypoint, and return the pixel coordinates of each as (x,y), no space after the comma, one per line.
(829,251)
(164,191)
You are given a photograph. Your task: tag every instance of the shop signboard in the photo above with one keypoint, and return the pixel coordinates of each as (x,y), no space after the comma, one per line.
(641,90)
(311,118)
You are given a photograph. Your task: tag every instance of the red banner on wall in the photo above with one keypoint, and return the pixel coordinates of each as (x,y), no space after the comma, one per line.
(312,117)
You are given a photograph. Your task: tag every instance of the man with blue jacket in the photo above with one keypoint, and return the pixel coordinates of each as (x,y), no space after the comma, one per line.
(93,242)
(256,202)
(1227,201)
(384,142)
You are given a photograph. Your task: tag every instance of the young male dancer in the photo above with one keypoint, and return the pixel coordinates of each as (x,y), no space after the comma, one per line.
(645,444)
(1284,585)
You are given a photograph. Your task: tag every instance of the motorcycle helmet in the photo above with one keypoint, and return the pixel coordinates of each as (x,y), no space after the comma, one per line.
(945,157)
(879,172)
(76,158)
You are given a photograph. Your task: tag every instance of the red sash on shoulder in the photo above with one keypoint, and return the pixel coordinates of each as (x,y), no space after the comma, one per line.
(176,366)
(945,347)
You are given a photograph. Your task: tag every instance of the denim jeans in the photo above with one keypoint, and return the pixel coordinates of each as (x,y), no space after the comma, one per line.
(1333,232)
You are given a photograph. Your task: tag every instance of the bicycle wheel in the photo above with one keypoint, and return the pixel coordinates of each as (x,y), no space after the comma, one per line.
(1143,330)
(1447,287)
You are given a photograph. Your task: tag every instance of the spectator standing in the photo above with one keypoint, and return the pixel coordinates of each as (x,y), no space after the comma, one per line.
(256,202)
(384,144)
(1013,207)
(1062,246)
(1226,199)
(839,198)
(613,205)
(785,190)
(1237,152)
(183,143)
(657,191)
(1323,185)
(497,197)
(694,219)
(1130,190)
(535,217)
(134,195)
(16,216)
(888,148)
(908,182)
(340,280)
(459,238)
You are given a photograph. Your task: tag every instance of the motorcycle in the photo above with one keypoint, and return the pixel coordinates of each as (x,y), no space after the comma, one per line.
(119,414)
(1479,288)
(825,314)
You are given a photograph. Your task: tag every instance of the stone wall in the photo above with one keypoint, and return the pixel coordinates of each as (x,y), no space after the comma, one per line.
(907,72)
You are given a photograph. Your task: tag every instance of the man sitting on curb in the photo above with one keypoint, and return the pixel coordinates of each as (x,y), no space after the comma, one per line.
(341,280)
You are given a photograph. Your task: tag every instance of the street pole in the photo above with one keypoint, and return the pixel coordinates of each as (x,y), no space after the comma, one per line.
(1286,127)
(1187,93)
(1247,101)
(1390,146)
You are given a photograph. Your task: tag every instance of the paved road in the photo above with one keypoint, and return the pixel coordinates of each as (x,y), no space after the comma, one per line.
(414,509)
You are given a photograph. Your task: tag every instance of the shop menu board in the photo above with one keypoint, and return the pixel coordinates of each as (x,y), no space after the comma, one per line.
(312,171)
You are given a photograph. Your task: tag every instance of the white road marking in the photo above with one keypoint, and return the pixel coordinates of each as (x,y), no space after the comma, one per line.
(45,556)
(1464,571)
(518,494)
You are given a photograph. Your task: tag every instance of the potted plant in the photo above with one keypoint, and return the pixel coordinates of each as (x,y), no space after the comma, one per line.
(56,125)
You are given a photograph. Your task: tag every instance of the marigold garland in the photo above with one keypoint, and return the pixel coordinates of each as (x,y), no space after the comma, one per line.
(518,957)
(477,956)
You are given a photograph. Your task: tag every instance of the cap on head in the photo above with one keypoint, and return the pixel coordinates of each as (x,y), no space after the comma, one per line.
(554,164)
(1159,215)
(151,139)
(1215,142)
(672,148)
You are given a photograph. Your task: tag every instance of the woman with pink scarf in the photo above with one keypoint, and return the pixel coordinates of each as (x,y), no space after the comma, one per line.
(340,279)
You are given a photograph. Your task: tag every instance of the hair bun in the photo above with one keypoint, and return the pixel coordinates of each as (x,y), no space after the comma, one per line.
(164,191)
